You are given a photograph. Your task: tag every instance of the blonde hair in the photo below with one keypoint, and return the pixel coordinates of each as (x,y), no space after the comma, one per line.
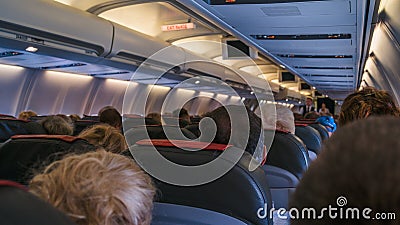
(97,188)
(105,136)
(25,115)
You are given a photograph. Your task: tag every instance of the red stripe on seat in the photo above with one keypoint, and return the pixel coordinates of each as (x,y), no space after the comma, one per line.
(183,144)
(13,119)
(12,184)
(301,124)
(65,138)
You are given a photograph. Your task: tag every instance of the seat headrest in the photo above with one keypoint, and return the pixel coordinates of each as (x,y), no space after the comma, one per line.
(183,144)
(18,206)
(311,138)
(156,132)
(65,138)
(220,195)
(23,154)
(171,214)
(80,125)
(288,152)
(322,130)
(10,127)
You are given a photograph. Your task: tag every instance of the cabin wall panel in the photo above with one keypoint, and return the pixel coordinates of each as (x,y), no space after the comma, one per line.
(55,92)
(109,92)
(12,82)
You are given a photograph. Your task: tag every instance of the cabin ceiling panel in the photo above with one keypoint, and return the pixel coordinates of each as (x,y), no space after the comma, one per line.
(303,18)
(311,44)
(291,22)
(326,71)
(283,9)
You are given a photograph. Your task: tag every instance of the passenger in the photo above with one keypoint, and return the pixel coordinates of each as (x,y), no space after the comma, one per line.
(105,136)
(284,120)
(56,125)
(328,122)
(97,188)
(222,120)
(308,107)
(323,110)
(360,163)
(74,117)
(25,115)
(111,116)
(183,115)
(153,119)
(66,118)
(367,102)
(311,115)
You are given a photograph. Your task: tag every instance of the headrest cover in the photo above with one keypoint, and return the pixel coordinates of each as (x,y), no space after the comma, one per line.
(65,138)
(12,184)
(328,122)
(183,144)
(301,124)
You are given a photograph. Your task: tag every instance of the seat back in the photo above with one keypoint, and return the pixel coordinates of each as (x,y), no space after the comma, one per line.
(288,152)
(172,214)
(10,127)
(7,116)
(321,129)
(156,132)
(18,206)
(194,128)
(282,184)
(310,137)
(23,154)
(80,125)
(239,193)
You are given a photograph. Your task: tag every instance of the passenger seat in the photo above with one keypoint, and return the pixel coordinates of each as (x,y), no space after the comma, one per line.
(239,193)
(18,206)
(23,154)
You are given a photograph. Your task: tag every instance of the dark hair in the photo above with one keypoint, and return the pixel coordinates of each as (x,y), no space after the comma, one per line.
(224,127)
(360,163)
(111,116)
(311,115)
(180,112)
(57,125)
(367,102)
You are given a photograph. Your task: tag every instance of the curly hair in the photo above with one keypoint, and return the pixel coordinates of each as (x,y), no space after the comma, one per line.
(105,136)
(97,188)
(367,102)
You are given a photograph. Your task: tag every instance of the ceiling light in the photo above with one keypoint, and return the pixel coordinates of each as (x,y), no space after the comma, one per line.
(197,82)
(31,49)
(251,92)
(287,99)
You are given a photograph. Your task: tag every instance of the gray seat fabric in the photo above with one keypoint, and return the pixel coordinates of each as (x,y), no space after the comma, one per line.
(310,136)
(321,129)
(156,132)
(170,214)
(10,127)
(18,207)
(287,152)
(238,193)
(282,184)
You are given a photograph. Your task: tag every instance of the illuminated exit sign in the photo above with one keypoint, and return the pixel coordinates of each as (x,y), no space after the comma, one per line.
(180,26)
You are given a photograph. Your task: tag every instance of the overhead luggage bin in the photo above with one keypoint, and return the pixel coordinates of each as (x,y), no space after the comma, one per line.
(49,25)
